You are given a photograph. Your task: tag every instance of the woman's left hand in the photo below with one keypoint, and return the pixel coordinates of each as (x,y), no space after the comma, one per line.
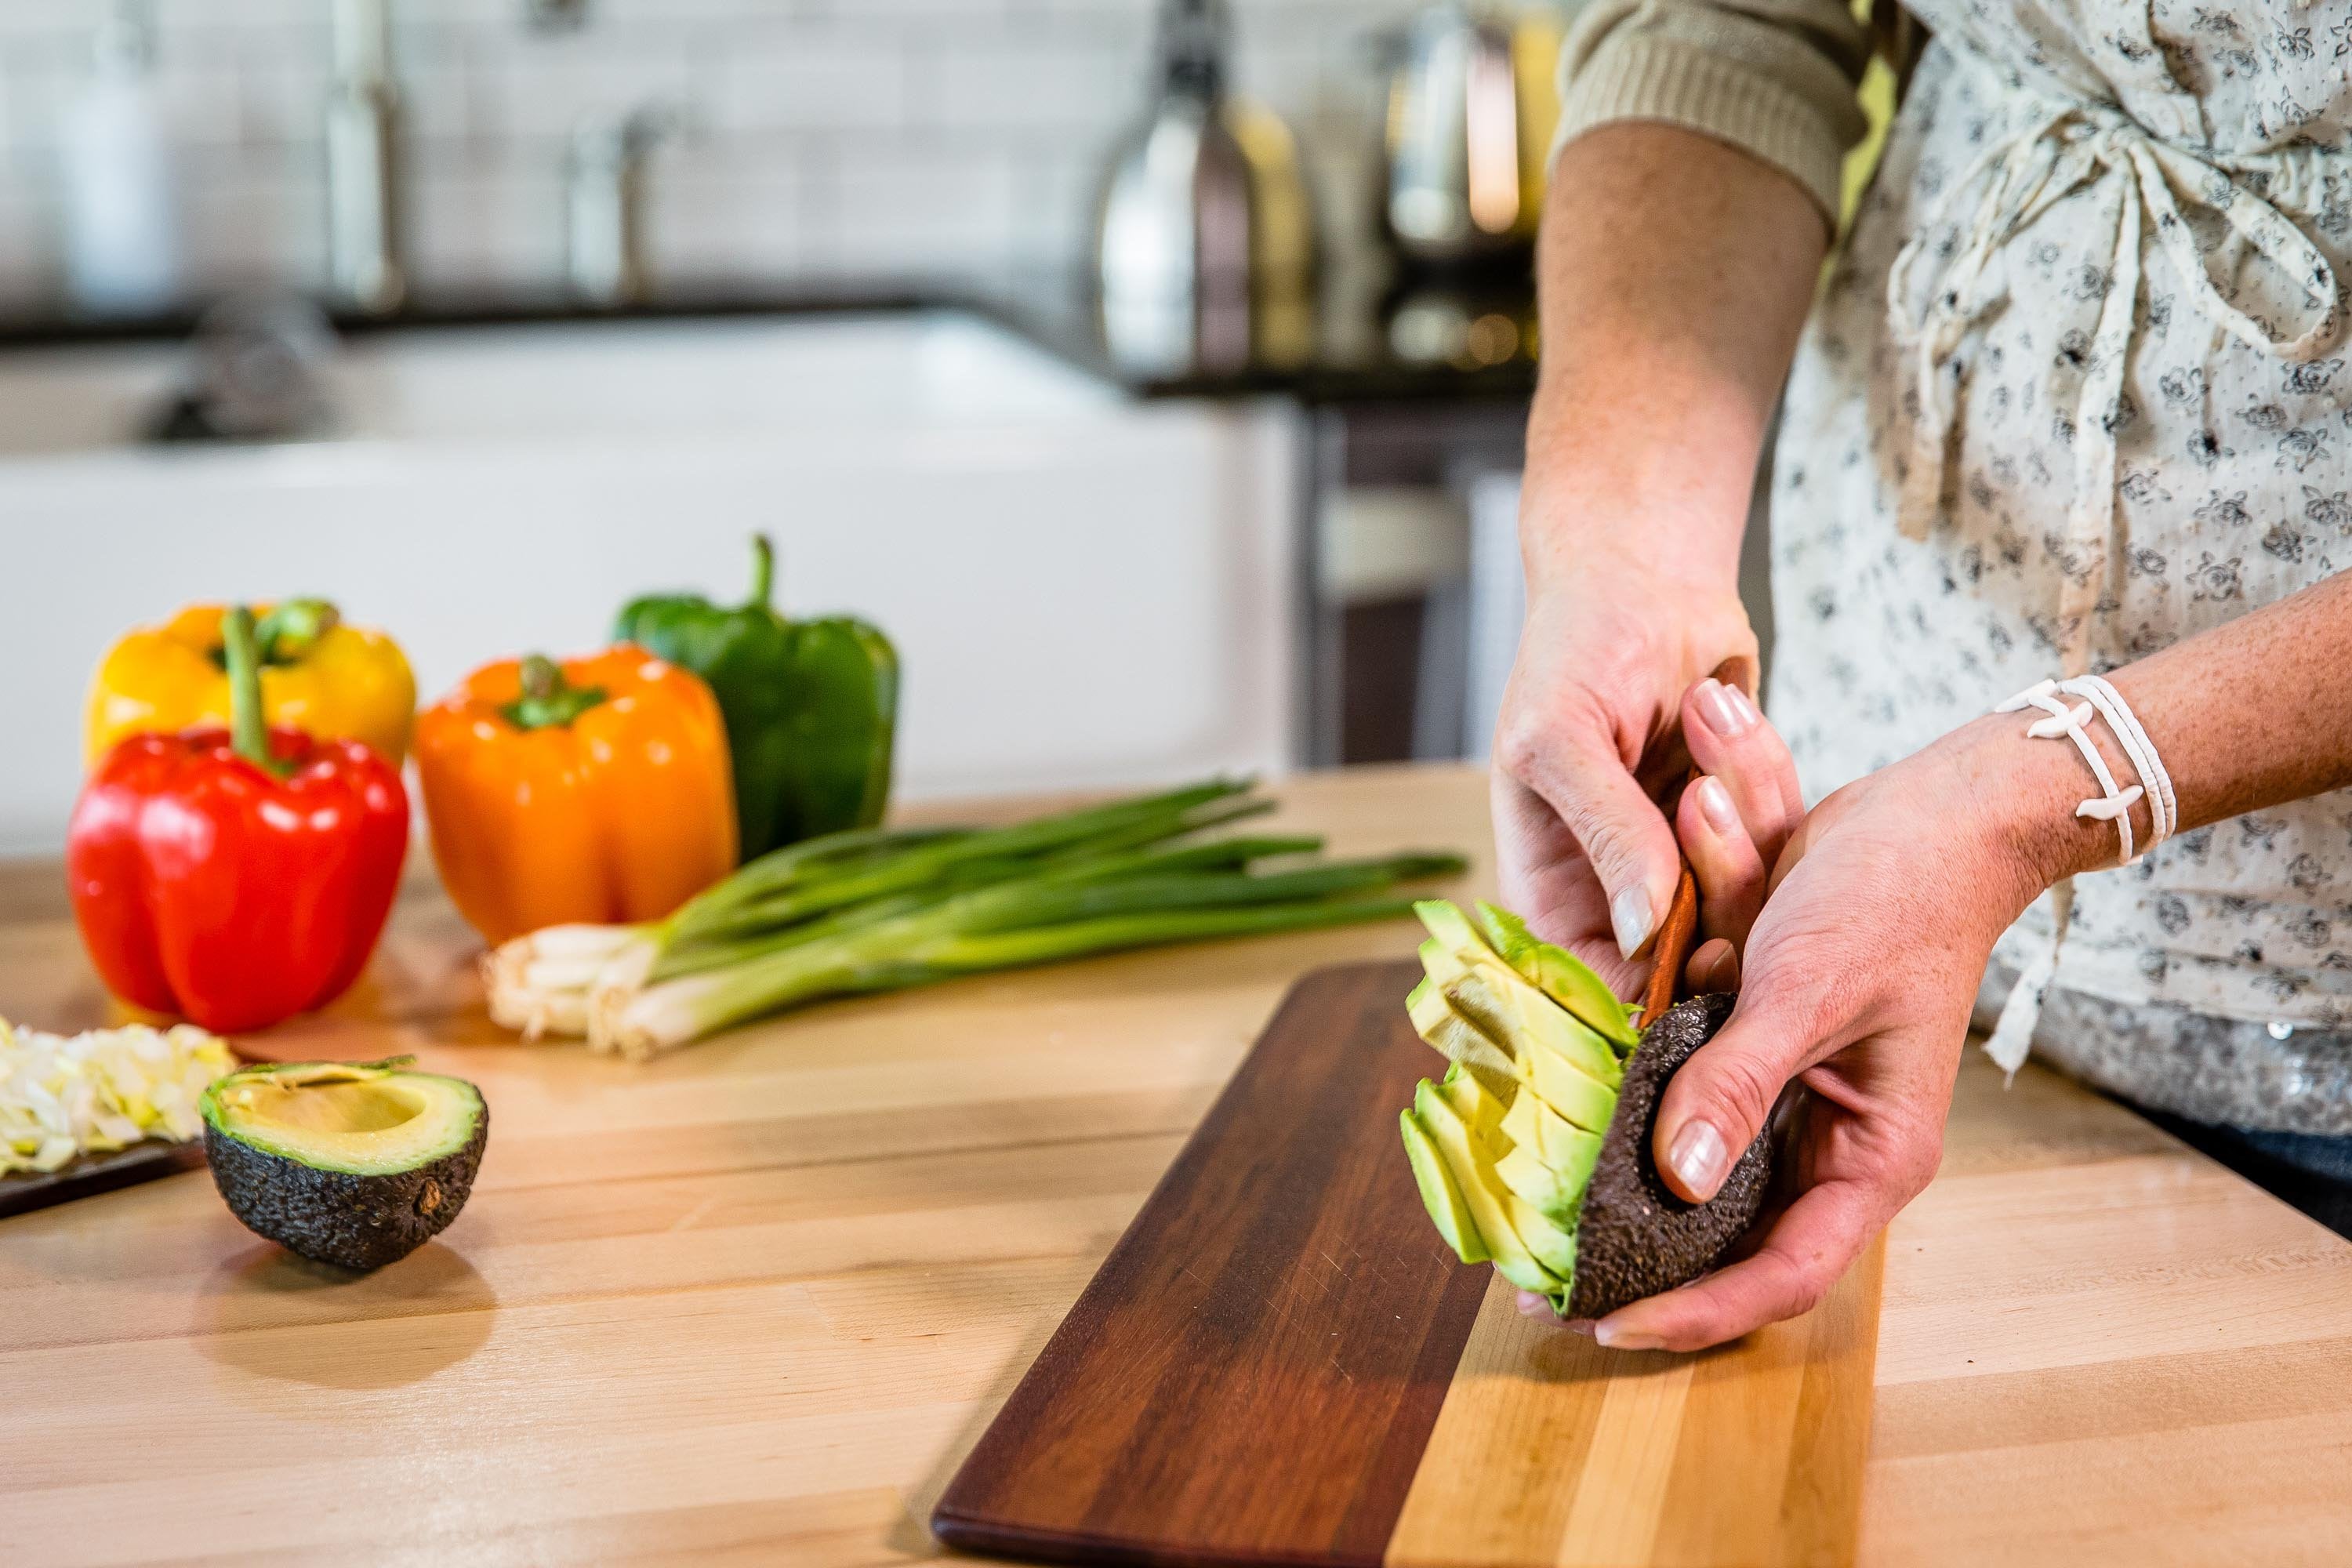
(1857,978)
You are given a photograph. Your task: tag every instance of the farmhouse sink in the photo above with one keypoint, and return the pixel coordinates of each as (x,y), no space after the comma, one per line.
(1085,590)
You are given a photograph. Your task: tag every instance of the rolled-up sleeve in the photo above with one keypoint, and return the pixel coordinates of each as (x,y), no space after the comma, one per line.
(1774,77)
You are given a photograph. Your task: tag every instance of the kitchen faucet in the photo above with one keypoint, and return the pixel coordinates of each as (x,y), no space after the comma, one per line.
(604,201)
(364,241)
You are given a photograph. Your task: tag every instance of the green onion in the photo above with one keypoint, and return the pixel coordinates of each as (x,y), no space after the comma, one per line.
(884,909)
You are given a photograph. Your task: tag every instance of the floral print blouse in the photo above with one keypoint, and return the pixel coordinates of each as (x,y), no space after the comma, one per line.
(2077,388)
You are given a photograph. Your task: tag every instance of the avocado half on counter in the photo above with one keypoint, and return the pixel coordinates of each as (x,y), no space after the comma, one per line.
(356,1164)
(1533,1151)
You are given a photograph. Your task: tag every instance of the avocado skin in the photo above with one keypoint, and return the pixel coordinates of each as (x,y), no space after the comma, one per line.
(1634,1237)
(331,1216)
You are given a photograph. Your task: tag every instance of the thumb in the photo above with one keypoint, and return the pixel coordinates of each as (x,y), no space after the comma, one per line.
(1721,1098)
(1580,775)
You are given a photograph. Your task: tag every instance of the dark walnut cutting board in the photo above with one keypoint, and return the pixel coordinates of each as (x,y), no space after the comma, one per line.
(93,1174)
(1280,1362)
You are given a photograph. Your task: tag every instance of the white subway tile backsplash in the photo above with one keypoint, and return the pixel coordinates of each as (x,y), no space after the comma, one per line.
(1025,86)
(488,217)
(729,213)
(931,208)
(824,83)
(825,138)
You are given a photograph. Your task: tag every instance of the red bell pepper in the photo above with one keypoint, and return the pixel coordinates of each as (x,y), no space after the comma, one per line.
(235,877)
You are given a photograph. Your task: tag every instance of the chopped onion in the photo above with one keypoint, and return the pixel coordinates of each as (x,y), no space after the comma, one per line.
(100,1090)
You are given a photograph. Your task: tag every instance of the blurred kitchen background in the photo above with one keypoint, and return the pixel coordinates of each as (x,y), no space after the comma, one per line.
(1155,372)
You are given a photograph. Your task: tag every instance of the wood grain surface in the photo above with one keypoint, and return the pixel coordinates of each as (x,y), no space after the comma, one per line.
(1254,1375)
(754,1303)
(1551,1450)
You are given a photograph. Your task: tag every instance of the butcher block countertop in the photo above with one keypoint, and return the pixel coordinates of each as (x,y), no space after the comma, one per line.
(752,1303)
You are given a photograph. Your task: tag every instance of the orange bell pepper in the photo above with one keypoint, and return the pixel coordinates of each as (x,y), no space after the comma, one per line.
(598,791)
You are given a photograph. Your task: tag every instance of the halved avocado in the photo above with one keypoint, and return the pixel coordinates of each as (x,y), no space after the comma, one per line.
(1554,1160)
(357,1164)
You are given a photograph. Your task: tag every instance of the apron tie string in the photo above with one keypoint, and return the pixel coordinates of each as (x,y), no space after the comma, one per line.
(2017,179)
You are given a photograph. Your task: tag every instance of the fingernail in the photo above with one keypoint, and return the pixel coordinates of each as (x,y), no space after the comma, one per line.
(1715,804)
(1697,1157)
(1619,1340)
(1579,1326)
(1629,913)
(1726,709)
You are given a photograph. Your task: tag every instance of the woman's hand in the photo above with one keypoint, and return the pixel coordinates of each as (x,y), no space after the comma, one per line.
(1590,736)
(1675,272)
(1858,976)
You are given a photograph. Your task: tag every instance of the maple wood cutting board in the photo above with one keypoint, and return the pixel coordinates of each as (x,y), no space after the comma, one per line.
(1280,1362)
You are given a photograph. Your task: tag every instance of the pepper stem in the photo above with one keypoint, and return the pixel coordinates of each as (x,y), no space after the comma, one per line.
(248,727)
(548,698)
(763,572)
(291,629)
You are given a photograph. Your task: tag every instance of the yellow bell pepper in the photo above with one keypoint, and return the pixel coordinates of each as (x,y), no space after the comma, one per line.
(319,674)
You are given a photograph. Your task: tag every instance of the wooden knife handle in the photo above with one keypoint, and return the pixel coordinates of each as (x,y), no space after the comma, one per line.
(1674,948)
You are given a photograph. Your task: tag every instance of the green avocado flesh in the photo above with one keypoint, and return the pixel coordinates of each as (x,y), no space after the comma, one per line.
(1438,1193)
(1506,1007)
(1559,975)
(1471,1164)
(354,1165)
(1503,1148)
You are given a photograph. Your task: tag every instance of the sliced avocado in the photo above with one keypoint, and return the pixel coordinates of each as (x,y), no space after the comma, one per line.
(1501,1070)
(1473,1177)
(1445,921)
(1549,1243)
(1439,1196)
(1559,975)
(354,1165)
(1554,1195)
(1481,1110)
(1491,995)
(1458,1039)
(1554,1164)
(1572,1096)
(1564,1145)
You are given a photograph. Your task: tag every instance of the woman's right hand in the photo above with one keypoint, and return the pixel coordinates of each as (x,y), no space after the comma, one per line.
(1592,734)
(1675,272)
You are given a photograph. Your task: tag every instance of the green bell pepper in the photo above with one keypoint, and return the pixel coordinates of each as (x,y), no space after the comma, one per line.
(810,707)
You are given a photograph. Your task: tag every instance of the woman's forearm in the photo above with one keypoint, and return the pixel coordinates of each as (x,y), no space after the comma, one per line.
(1676,273)
(2254,713)
(2244,716)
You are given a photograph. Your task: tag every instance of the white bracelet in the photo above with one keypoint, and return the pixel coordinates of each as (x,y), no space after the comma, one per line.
(2114,804)
(2164,809)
